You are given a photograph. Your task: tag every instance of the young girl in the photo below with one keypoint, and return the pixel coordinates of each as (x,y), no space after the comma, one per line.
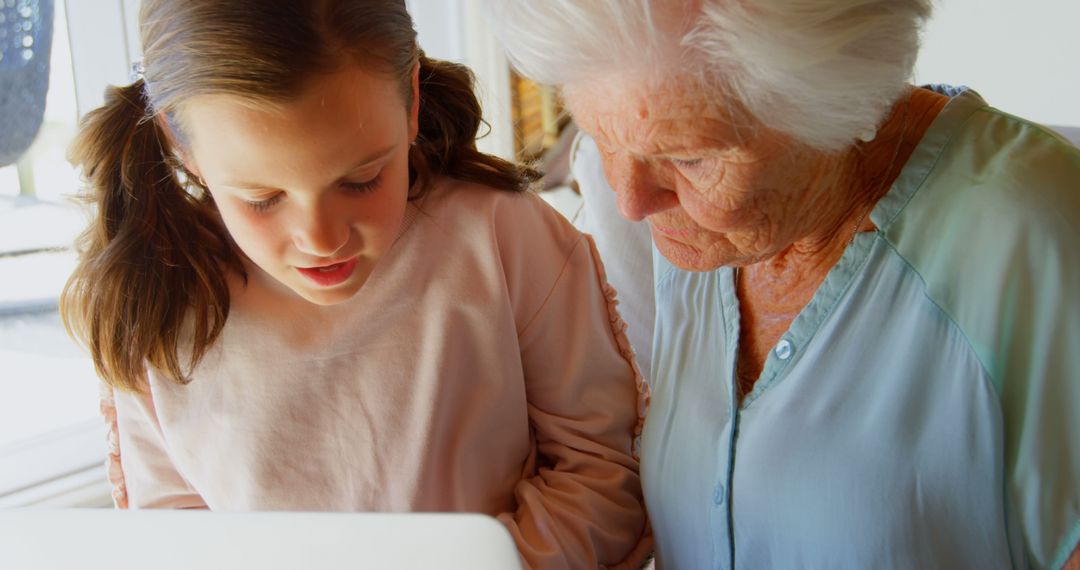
(306,289)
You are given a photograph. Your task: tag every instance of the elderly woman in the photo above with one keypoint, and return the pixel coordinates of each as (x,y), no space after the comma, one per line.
(867,339)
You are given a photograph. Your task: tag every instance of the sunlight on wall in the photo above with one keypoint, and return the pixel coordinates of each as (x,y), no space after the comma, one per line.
(1020,56)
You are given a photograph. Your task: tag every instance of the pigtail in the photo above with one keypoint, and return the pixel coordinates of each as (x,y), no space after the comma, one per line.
(152,271)
(450,118)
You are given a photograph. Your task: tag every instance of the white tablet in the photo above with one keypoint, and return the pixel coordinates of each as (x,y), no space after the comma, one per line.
(32,539)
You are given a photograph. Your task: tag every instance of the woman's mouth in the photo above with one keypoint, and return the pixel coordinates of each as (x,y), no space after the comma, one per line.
(673,232)
(329,275)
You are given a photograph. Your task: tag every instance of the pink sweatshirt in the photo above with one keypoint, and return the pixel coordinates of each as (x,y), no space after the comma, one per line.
(481,368)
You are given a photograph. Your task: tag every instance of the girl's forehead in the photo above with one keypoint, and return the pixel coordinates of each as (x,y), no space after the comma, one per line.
(331,126)
(351,96)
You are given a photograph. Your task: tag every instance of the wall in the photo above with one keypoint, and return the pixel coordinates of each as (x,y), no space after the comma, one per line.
(455,30)
(1022,57)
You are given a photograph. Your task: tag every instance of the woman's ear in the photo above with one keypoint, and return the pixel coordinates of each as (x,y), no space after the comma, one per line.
(414,112)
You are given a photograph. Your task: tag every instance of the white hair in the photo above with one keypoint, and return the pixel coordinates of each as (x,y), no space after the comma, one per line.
(825,72)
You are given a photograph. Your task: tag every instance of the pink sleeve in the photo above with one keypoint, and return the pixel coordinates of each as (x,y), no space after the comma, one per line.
(139,468)
(113,468)
(581,504)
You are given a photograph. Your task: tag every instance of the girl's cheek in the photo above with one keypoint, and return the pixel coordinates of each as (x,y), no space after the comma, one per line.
(251,233)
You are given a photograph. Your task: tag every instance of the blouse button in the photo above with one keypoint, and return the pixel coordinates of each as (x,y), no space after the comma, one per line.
(784,349)
(718,494)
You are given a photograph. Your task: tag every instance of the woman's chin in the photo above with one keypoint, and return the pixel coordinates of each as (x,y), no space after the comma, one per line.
(686,256)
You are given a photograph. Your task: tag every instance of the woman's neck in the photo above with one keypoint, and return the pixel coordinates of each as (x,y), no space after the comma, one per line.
(772,292)
(872,168)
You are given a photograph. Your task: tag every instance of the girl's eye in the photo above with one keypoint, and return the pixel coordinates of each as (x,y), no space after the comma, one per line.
(261,206)
(364,186)
(264,205)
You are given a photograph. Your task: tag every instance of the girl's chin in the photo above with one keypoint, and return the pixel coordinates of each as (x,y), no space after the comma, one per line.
(290,282)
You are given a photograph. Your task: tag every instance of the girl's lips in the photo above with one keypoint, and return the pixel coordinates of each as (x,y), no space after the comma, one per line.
(329,275)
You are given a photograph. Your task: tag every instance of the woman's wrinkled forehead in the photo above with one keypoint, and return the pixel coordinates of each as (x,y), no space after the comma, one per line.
(639,115)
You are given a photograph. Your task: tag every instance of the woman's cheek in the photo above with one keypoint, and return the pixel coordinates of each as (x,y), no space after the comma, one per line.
(702,202)
(710,204)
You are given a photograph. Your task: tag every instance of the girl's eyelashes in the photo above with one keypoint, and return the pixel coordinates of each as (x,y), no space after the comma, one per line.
(264,205)
(364,186)
(261,206)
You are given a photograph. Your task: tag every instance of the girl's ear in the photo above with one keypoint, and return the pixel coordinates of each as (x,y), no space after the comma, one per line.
(414,112)
(173,148)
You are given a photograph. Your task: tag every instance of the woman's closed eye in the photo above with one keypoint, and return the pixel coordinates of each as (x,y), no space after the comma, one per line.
(687,163)
(261,206)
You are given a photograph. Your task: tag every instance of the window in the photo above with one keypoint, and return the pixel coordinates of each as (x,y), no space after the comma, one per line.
(51,437)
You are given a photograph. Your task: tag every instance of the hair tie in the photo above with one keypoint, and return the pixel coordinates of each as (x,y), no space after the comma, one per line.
(138,72)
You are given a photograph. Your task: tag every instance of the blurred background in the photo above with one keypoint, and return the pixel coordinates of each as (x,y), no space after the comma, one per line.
(1019,56)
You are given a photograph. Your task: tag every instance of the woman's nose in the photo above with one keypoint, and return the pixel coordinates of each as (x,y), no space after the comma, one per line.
(637,192)
(321,234)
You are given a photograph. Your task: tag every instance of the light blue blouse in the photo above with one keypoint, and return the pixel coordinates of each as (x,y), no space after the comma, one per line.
(923,411)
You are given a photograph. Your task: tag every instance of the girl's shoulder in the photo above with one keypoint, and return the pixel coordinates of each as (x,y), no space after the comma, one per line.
(512,219)
(512,241)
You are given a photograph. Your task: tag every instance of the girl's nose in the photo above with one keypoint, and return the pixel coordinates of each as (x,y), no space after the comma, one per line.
(321,235)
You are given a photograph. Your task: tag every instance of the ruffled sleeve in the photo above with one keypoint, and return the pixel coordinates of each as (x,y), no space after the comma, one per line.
(581,505)
(113,468)
(139,467)
(618,330)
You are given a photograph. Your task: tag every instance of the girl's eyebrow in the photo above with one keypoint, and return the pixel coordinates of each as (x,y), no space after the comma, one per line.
(365,162)
(371,159)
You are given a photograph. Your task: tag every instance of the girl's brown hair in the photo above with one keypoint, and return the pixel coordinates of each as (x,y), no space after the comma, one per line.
(152,273)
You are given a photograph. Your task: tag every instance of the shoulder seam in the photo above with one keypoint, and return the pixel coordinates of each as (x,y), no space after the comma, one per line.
(554,285)
(948,315)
